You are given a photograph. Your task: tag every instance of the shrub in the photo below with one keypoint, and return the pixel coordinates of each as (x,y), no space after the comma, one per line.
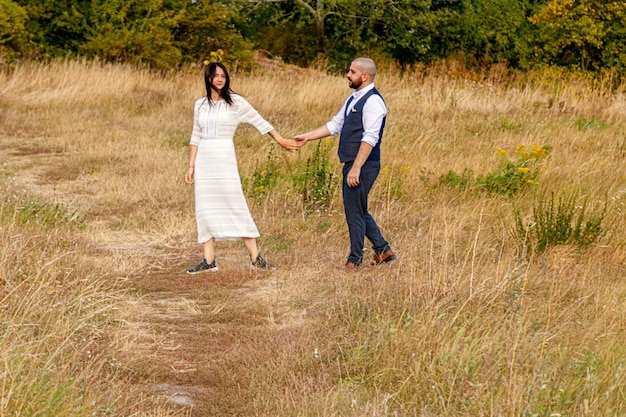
(318,181)
(557,220)
(513,174)
(465,180)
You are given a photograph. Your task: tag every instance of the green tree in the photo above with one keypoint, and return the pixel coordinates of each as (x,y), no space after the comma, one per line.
(497,31)
(208,31)
(57,27)
(319,10)
(589,34)
(312,12)
(159,33)
(295,31)
(614,50)
(401,30)
(303,30)
(135,31)
(13,34)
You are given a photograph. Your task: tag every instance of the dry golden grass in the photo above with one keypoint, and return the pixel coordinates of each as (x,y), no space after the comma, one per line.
(97,227)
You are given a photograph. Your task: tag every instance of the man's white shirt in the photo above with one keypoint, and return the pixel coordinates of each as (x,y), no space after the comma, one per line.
(374,112)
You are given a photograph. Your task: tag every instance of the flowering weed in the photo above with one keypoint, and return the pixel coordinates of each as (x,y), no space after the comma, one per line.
(514,173)
(264,178)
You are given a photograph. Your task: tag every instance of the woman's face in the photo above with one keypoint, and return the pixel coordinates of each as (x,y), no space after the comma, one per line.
(219,79)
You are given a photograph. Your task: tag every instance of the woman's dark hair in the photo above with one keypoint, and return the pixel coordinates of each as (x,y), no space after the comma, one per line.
(209,74)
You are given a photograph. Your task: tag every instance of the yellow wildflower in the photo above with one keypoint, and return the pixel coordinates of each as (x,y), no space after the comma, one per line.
(521,152)
(538,152)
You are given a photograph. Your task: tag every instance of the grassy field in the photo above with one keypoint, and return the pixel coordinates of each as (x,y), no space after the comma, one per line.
(503,197)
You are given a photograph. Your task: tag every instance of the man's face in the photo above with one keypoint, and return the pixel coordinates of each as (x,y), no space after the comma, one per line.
(355,76)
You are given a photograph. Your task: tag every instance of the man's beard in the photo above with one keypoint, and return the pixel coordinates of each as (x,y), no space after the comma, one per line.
(356,83)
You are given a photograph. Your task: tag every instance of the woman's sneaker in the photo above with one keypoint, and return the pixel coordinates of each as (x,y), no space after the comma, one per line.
(203,267)
(261,263)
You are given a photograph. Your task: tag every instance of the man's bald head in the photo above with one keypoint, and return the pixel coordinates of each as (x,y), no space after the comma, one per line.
(367,66)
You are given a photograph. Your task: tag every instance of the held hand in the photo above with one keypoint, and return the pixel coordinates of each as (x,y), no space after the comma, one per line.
(300,140)
(288,144)
(317,133)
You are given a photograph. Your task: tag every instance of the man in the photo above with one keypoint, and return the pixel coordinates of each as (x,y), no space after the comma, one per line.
(360,122)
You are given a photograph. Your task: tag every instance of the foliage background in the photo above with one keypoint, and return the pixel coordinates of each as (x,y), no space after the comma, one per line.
(587,35)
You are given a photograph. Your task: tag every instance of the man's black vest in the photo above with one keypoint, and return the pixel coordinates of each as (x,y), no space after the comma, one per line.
(352,132)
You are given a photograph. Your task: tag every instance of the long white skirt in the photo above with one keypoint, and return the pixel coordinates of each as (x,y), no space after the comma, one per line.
(221,208)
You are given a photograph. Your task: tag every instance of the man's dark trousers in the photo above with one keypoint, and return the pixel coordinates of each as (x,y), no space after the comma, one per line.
(360,223)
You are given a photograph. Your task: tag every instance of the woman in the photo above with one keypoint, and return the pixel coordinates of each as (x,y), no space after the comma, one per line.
(221,209)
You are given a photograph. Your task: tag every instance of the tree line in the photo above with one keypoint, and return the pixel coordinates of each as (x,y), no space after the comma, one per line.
(589,35)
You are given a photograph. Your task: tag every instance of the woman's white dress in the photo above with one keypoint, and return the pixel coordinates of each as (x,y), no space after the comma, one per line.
(221,208)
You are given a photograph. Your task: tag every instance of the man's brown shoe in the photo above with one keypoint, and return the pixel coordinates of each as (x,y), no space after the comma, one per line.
(386,256)
(351,267)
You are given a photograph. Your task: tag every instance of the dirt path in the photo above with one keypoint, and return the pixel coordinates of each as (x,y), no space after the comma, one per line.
(200,334)
(204,326)
(195,335)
